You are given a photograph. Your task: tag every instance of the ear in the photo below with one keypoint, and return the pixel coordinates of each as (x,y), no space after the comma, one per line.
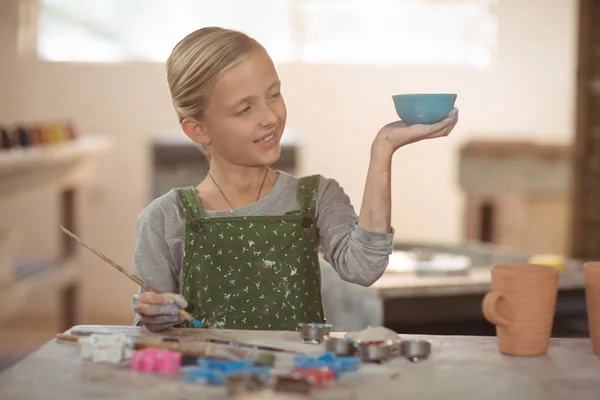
(195,130)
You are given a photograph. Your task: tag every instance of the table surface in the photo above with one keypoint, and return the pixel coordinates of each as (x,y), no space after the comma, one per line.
(478,281)
(460,367)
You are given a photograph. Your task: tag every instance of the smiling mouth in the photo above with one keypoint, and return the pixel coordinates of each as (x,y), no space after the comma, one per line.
(266,138)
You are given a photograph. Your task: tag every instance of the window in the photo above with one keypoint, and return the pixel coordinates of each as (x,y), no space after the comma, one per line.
(350,32)
(392,32)
(147,30)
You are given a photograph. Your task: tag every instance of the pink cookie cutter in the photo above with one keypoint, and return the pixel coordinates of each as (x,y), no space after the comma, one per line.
(156,361)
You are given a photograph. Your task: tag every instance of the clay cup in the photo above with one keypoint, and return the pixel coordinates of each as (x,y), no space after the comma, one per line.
(592,294)
(522,304)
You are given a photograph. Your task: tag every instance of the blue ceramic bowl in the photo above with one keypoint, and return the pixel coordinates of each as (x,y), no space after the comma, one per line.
(423,108)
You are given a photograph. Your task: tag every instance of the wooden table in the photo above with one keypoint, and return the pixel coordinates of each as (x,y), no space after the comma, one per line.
(459,368)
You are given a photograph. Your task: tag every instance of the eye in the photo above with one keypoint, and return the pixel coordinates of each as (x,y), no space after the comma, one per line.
(276,95)
(244,111)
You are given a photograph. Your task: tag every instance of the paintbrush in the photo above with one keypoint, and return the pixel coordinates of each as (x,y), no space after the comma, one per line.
(247,345)
(195,349)
(131,276)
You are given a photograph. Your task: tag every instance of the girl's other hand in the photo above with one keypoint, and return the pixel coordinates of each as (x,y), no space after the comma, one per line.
(160,311)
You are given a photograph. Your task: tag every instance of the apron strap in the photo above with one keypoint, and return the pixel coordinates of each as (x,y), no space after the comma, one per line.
(190,203)
(307,194)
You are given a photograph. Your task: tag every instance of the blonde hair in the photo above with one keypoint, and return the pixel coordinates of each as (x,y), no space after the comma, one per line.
(196,63)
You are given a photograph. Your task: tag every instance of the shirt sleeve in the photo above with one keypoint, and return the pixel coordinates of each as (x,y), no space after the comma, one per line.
(357,255)
(153,262)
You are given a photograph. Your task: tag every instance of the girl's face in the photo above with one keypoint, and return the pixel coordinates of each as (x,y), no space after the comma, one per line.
(246,113)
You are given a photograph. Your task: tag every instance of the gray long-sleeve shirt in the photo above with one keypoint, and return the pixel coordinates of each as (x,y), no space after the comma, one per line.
(358,256)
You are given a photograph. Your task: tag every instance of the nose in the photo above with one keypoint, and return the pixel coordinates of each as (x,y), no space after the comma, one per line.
(269,116)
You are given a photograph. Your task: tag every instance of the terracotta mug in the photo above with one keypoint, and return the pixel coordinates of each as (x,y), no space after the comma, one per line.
(592,294)
(522,304)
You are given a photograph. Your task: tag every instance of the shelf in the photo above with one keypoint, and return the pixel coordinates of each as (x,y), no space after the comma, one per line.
(66,163)
(18,294)
(60,168)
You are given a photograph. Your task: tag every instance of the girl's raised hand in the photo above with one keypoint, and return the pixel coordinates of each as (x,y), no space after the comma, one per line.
(397,134)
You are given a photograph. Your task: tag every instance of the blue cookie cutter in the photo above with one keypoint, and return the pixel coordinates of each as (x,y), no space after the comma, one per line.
(215,372)
(338,364)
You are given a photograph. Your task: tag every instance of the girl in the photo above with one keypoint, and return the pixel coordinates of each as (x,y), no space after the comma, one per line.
(240,250)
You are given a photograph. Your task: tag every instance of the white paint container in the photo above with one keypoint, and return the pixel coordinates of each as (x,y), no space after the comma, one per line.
(105,348)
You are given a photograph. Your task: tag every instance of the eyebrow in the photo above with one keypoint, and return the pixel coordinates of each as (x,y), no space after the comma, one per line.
(248,99)
(274,84)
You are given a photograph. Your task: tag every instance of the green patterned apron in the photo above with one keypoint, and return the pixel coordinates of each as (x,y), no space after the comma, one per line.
(254,272)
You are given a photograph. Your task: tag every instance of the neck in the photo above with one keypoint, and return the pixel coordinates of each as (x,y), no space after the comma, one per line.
(237,177)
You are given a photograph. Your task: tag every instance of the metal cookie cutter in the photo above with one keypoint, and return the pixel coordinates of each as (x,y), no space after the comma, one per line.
(313,333)
(292,383)
(415,350)
(339,346)
(241,383)
(375,351)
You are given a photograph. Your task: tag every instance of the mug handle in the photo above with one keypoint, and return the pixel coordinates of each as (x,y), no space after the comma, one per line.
(490,311)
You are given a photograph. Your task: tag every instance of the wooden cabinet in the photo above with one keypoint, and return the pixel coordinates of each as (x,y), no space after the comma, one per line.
(516,194)
(585,215)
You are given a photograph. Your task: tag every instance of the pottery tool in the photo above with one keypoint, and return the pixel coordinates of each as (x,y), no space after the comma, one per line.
(195,349)
(131,276)
(247,345)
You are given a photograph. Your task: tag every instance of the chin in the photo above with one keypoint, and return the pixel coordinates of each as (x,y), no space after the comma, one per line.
(272,156)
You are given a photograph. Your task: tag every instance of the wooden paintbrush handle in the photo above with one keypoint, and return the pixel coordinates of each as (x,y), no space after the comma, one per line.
(194,349)
(68,338)
(188,349)
(186,315)
(131,276)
